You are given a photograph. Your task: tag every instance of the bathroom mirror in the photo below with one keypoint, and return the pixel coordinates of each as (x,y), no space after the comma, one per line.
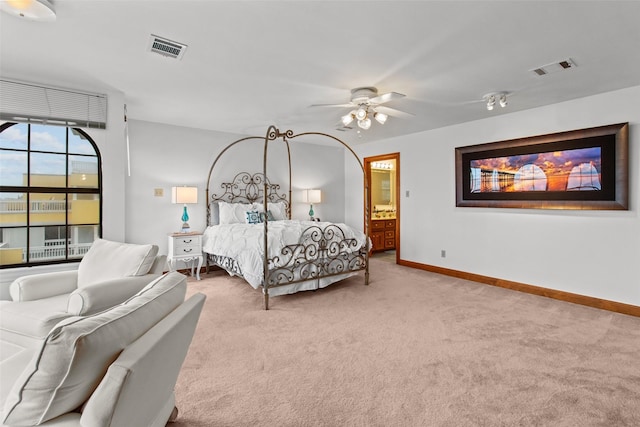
(383,187)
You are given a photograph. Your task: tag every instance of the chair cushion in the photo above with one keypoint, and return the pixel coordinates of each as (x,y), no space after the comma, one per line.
(106,260)
(34,319)
(78,351)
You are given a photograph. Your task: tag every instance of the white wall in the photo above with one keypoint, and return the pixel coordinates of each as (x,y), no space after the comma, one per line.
(593,253)
(163,156)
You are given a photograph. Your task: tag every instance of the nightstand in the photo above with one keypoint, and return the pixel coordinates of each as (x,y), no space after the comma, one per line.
(186,247)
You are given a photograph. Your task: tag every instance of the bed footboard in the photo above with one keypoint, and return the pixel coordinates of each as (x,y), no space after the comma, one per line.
(320,252)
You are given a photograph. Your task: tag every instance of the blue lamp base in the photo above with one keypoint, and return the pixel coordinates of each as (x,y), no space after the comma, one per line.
(185,219)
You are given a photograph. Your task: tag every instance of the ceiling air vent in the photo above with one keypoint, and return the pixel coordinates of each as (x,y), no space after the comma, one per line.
(166,47)
(554,67)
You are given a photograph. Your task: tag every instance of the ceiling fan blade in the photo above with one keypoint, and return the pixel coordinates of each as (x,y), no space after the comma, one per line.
(386,97)
(393,112)
(332,105)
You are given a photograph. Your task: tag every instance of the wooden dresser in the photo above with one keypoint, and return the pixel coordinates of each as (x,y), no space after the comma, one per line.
(383,234)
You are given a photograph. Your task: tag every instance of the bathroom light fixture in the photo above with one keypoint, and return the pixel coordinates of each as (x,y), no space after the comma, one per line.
(34,10)
(492,98)
(184,195)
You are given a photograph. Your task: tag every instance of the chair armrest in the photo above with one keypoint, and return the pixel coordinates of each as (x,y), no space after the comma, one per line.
(43,285)
(159,265)
(104,295)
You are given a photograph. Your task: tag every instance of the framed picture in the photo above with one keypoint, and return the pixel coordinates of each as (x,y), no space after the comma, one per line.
(580,169)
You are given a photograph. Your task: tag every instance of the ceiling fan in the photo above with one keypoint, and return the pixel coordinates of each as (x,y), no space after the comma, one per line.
(365,104)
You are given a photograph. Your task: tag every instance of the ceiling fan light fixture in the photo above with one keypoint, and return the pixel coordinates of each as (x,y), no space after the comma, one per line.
(34,10)
(361,112)
(348,118)
(380,117)
(365,123)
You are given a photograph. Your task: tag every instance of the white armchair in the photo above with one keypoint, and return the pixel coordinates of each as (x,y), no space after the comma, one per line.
(115,368)
(109,273)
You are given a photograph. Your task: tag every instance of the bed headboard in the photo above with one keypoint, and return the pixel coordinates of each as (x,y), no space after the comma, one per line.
(246,187)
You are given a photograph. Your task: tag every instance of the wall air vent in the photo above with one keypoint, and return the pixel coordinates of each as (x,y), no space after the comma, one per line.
(166,47)
(554,67)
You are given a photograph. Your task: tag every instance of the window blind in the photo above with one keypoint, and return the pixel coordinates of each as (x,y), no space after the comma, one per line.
(33,103)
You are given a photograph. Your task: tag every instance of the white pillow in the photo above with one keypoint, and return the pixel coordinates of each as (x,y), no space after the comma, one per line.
(106,260)
(278,210)
(214,211)
(78,351)
(234,213)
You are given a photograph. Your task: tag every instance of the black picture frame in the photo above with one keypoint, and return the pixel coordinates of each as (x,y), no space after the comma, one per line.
(578,169)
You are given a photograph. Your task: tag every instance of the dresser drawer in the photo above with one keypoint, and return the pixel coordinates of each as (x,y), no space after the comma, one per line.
(390,224)
(389,234)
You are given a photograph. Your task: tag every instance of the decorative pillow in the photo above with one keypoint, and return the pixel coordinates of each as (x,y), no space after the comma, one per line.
(106,260)
(234,213)
(269,216)
(253,217)
(78,350)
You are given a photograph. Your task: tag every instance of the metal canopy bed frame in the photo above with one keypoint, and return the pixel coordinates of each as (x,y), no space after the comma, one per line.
(321,252)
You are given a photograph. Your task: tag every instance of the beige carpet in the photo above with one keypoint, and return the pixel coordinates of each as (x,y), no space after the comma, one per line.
(412,349)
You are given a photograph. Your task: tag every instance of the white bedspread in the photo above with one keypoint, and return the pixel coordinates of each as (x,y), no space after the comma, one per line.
(244,242)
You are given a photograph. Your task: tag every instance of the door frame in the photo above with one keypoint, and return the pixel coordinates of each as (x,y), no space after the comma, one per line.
(367,168)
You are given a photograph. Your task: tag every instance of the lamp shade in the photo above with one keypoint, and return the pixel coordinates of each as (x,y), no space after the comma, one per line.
(184,195)
(312,196)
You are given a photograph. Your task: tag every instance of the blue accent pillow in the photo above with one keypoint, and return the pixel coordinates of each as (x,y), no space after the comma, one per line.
(253,217)
(269,216)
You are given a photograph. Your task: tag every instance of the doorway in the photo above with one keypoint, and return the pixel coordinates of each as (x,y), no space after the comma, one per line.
(383,176)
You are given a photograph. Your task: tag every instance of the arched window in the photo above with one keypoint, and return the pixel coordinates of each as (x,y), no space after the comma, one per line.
(50,194)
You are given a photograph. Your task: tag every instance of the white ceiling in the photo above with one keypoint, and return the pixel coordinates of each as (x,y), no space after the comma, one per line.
(250,64)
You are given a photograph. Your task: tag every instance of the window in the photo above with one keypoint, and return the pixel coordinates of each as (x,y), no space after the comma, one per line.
(50,194)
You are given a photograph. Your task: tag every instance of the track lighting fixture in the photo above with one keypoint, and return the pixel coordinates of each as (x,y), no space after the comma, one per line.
(503,100)
(492,98)
(491,102)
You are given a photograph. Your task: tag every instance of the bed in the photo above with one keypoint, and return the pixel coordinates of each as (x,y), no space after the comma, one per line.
(248,213)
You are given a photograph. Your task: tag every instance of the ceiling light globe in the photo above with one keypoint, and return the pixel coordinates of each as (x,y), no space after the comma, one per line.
(347,119)
(361,113)
(365,124)
(380,117)
(503,101)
